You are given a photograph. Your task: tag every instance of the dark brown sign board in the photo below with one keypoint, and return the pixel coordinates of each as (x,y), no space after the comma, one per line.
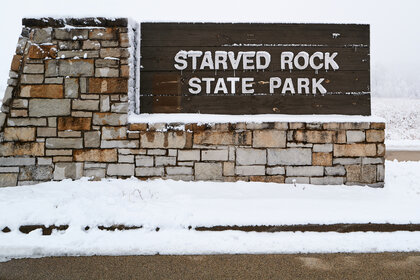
(247,68)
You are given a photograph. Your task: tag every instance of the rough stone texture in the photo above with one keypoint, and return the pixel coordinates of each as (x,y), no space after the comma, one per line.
(208,171)
(65,114)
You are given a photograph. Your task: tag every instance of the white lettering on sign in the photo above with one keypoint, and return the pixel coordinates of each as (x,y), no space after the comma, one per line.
(254,60)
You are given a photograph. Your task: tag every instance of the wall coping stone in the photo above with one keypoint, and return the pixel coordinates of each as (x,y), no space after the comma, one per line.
(76,22)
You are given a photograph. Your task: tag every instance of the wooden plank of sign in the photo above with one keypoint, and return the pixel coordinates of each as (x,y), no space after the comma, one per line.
(335,81)
(218,34)
(256,104)
(348,58)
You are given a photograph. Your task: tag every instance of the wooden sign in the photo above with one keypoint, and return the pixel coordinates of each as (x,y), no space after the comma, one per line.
(255,68)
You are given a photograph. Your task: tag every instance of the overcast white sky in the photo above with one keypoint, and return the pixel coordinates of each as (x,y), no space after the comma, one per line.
(395,26)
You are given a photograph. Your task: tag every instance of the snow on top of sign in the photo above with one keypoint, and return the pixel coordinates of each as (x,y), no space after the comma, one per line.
(215,118)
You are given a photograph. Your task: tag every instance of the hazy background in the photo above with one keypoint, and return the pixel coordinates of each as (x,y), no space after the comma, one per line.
(395,27)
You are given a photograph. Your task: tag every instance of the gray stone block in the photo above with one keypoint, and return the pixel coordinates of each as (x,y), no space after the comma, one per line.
(245,156)
(380,173)
(75,68)
(71,88)
(9,169)
(355,136)
(16,161)
(156,152)
(250,170)
(144,161)
(36,173)
(96,173)
(327,180)
(120,169)
(297,180)
(347,161)
(335,171)
(150,171)
(42,35)
(113,119)
(179,170)
(377,160)
(120,144)
(160,160)
(208,171)
(215,155)
(92,139)
(290,156)
(189,155)
(49,107)
(322,148)
(62,143)
(68,170)
(33,69)
(304,171)
(278,170)
(85,105)
(32,79)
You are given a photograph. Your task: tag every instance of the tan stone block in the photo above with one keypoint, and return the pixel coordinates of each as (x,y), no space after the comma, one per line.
(42,91)
(267,179)
(354,173)
(331,126)
(21,149)
(380,150)
(228,168)
(62,159)
(46,131)
(69,133)
(315,136)
(42,51)
(108,85)
(96,155)
(322,159)
(363,174)
(103,34)
(16,61)
(156,139)
(124,40)
(377,125)
(375,135)
(354,150)
(74,123)
(19,134)
(269,139)
(137,126)
(296,125)
(341,137)
(125,71)
(114,132)
(18,113)
(223,138)
(354,125)
(58,152)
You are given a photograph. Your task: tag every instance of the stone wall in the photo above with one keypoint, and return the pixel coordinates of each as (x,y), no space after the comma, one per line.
(64,115)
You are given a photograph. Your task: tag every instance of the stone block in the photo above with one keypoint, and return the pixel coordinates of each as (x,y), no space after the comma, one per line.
(245,156)
(304,171)
(55,80)
(110,63)
(13,169)
(150,171)
(297,180)
(380,173)
(327,180)
(95,155)
(249,170)
(355,136)
(354,125)
(108,85)
(114,132)
(71,88)
(42,91)
(22,134)
(172,152)
(380,151)
(208,171)
(26,122)
(126,158)
(377,125)
(269,139)
(335,171)
(232,154)
(161,160)
(120,169)
(361,174)
(92,139)
(77,54)
(144,161)
(114,52)
(323,159)
(323,148)
(189,155)
(315,136)
(177,170)
(103,34)
(377,136)
(214,155)
(95,173)
(16,161)
(354,150)
(68,170)
(124,40)
(173,139)
(375,160)
(76,67)
(156,152)
(16,61)
(36,173)
(64,143)
(21,149)
(31,79)
(119,107)
(228,168)
(299,145)
(33,69)
(280,125)
(252,126)
(51,68)
(347,161)
(19,113)
(104,105)
(49,107)
(119,144)
(42,51)
(277,170)
(296,125)
(69,133)
(69,45)
(112,119)
(289,156)
(20,103)
(107,72)
(42,35)
(8,179)
(59,152)
(74,123)
(108,44)
(45,161)
(91,45)
(223,138)
(267,179)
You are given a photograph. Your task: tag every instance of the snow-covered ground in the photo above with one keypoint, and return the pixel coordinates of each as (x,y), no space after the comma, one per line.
(173,206)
